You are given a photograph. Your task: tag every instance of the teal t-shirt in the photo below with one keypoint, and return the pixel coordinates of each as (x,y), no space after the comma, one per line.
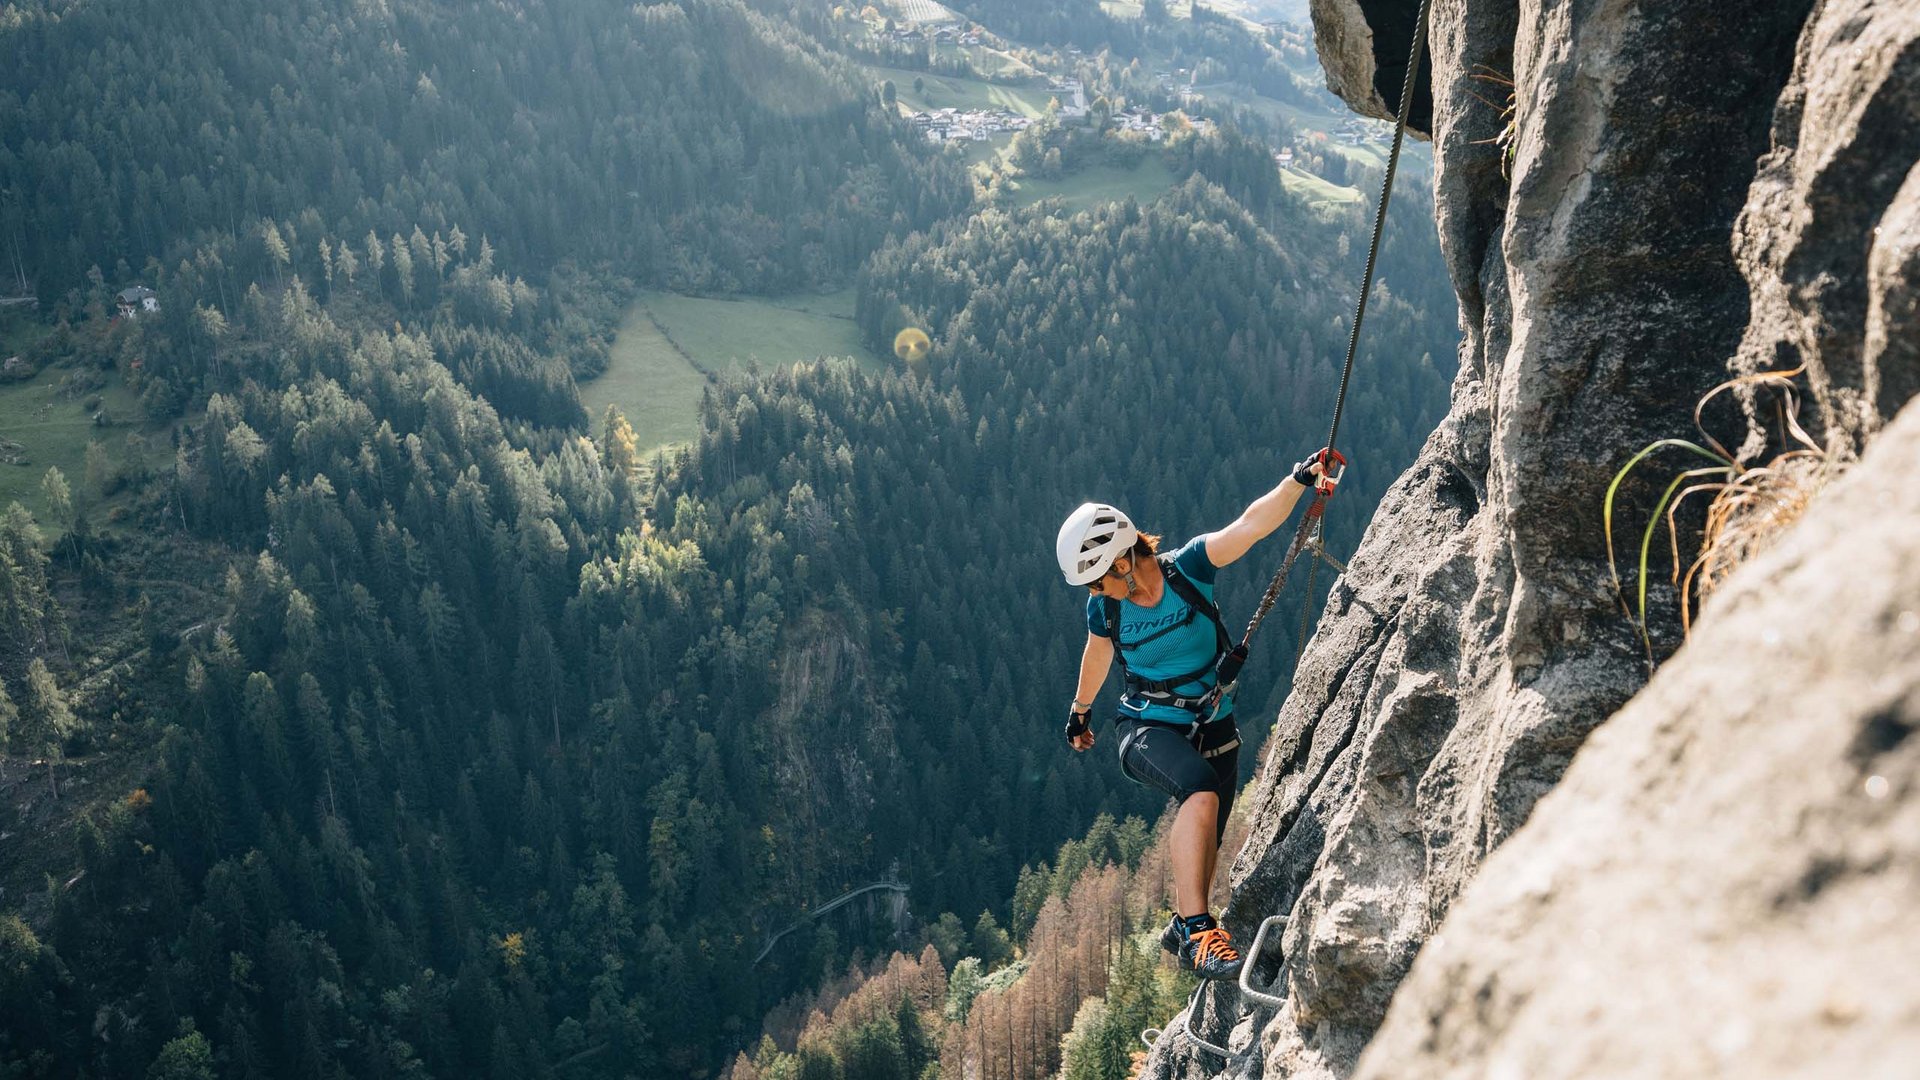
(1189,647)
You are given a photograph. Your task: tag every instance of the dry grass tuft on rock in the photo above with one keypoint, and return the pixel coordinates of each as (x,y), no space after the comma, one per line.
(1508,139)
(1751,505)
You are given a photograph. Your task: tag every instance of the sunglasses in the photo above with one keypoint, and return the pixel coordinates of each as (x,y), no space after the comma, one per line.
(1094,585)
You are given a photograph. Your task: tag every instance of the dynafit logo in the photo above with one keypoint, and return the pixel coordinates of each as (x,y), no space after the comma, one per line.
(1130,630)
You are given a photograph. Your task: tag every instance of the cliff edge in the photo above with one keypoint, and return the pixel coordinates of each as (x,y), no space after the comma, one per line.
(1693,192)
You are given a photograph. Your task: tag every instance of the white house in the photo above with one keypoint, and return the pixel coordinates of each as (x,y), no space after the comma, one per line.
(137,300)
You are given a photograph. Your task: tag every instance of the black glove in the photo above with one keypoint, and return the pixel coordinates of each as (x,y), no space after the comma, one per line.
(1078,720)
(1318,470)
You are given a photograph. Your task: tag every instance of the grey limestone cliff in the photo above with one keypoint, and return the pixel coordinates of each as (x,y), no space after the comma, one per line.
(1697,189)
(1724,884)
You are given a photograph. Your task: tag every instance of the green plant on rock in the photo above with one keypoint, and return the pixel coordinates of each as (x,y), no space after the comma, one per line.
(1751,504)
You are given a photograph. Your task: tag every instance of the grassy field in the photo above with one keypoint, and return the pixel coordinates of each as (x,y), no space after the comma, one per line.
(716,334)
(992,152)
(53,429)
(921,12)
(1099,184)
(948,92)
(992,62)
(1255,12)
(1237,94)
(1318,193)
(667,343)
(1251,12)
(1416,156)
(652,382)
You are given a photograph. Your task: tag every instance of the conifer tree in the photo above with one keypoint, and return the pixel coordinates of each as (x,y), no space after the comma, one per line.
(45,719)
(9,715)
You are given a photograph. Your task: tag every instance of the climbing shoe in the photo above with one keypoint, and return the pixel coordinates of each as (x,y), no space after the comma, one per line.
(1210,954)
(1174,936)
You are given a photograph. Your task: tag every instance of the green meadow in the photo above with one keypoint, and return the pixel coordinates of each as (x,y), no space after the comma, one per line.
(652,382)
(950,92)
(668,344)
(1097,184)
(1318,193)
(44,426)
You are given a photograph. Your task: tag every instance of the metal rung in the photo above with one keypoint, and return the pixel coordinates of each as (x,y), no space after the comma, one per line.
(1186,1028)
(1253,957)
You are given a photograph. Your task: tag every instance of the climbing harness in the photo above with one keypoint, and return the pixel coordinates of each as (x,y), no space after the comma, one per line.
(1160,691)
(1309,537)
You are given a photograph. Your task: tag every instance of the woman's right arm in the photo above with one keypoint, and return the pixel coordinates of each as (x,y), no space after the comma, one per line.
(1095,659)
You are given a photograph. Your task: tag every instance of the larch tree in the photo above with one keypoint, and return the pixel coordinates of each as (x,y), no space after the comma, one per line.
(45,720)
(60,502)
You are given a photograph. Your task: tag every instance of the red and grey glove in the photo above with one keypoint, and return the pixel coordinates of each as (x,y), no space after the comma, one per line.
(1321,470)
(1078,721)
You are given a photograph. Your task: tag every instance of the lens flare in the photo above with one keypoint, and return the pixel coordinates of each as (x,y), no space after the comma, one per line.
(912,345)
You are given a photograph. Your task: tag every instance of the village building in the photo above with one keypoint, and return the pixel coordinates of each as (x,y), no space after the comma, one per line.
(1139,121)
(1073,98)
(136,301)
(967,125)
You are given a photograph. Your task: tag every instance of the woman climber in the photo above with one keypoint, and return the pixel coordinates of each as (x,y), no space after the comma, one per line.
(1156,613)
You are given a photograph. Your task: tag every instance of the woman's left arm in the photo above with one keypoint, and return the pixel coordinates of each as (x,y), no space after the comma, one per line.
(1266,513)
(1254,524)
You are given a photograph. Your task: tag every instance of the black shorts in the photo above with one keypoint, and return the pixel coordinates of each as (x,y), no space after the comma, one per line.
(1162,757)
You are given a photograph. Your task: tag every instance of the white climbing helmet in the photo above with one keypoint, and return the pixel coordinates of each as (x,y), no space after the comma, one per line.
(1092,537)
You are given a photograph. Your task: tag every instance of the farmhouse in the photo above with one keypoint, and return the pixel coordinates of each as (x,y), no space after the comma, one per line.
(1140,121)
(136,300)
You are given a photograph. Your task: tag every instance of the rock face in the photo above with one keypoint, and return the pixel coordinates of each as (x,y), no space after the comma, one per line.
(1724,884)
(1829,240)
(1661,221)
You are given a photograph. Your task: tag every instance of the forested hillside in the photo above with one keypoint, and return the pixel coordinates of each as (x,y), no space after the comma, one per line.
(1086,982)
(705,145)
(436,731)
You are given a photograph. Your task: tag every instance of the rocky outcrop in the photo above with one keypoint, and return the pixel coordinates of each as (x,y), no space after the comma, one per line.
(1724,883)
(1661,219)
(1363,49)
(1828,239)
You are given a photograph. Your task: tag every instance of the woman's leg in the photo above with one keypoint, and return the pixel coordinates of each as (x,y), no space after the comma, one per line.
(1226,773)
(1161,757)
(1194,851)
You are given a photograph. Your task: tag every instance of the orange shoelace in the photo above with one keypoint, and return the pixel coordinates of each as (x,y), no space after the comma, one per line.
(1215,945)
